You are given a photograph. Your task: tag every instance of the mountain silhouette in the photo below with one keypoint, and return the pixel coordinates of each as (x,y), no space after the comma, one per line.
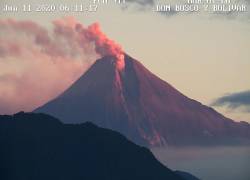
(144,108)
(39,147)
(186,175)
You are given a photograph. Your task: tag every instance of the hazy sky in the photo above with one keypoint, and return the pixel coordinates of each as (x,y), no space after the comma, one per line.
(204,55)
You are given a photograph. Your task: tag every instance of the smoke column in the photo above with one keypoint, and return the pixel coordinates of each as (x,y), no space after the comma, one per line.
(37,63)
(103,45)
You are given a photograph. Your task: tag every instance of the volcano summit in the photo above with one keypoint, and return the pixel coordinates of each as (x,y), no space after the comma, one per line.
(144,108)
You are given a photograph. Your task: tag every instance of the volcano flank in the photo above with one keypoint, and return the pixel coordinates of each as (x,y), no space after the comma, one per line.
(144,108)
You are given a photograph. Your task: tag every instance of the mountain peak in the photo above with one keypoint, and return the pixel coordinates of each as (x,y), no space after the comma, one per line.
(117,62)
(107,59)
(143,107)
(112,60)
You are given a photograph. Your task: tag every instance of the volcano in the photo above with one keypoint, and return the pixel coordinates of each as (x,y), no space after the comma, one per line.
(144,108)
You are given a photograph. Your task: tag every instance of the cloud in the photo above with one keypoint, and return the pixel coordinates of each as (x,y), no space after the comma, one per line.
(142,2)
(235,100)
(38,63)
(138,5)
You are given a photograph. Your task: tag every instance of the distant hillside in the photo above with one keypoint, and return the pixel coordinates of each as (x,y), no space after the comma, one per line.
(40,147)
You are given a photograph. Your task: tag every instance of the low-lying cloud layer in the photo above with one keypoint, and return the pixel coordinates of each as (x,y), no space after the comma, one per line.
(38,63)
(235,100)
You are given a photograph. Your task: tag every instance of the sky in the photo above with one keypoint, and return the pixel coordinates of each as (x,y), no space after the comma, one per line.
(204,55)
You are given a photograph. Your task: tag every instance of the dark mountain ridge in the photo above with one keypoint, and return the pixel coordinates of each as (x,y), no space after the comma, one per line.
(38,146)
(144,108)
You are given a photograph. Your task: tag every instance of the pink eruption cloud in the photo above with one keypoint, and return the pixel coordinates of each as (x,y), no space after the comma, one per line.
(104,46)
(38,63)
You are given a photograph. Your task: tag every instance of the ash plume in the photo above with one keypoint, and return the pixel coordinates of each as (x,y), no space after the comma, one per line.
(37,63)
